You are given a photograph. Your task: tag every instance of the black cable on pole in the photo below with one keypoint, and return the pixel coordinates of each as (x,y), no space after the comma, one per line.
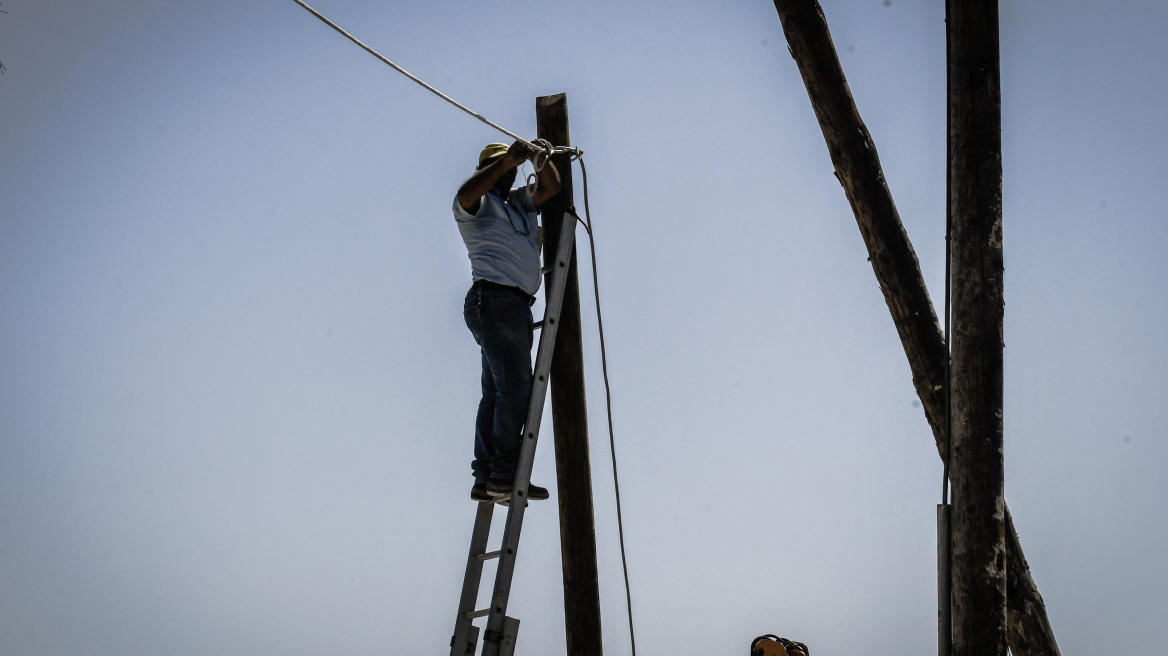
(607,403)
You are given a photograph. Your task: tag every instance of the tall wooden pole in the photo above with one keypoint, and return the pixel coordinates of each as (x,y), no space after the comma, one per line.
(976,463)
(857,166)
(570,414)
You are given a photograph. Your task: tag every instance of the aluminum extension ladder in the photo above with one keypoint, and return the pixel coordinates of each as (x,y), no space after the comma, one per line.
(500,634)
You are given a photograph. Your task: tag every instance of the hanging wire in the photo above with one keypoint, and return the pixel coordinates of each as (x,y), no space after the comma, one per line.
(532,179)
(607,400)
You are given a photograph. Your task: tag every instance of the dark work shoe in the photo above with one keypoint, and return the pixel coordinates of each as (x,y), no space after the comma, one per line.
(479,492)
(537,493)
(499,488)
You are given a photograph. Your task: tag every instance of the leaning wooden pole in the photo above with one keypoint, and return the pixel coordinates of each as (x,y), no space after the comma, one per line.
(976,464)
(894,262)
(570,414)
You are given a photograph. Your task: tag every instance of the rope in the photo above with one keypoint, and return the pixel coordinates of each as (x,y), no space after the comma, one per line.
(607,401)
(555,150)
(532,179)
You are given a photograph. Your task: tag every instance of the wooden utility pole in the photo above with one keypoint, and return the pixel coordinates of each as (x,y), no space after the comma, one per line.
(976,463)
(857,167)
(570,413)
(894,262)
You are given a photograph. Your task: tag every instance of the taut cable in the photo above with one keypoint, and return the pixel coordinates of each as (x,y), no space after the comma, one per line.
(431,89)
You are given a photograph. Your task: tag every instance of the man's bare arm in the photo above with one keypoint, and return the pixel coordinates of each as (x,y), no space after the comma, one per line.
(477,185)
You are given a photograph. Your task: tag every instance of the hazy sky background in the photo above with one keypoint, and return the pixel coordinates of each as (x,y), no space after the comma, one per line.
(237,394)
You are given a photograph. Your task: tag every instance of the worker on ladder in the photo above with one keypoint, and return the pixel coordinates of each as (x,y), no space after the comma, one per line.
(499,226)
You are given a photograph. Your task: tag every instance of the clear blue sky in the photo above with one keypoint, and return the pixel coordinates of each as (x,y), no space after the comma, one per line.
(237,395)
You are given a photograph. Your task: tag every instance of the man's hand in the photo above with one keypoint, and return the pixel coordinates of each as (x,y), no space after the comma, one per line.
(481,182)
(521,152)
(517,154)
(543,146)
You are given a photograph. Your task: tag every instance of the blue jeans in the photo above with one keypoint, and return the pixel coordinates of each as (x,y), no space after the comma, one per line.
(500,320)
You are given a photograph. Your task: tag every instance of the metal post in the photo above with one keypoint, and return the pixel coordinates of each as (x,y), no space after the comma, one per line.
(944,584)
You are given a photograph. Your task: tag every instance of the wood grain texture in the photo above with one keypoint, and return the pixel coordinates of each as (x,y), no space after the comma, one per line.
(976,465)
(570,414)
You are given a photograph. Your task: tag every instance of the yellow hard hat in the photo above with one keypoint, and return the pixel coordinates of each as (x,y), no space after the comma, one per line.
(492,150)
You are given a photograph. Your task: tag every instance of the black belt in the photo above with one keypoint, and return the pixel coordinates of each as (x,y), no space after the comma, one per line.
(487,284)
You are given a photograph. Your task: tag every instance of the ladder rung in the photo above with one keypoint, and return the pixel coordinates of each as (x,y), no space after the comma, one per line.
(538,324)
(487,556)
(478,613)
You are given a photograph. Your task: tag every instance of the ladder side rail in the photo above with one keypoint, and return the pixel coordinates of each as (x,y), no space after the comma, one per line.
(543,360)
(463,643)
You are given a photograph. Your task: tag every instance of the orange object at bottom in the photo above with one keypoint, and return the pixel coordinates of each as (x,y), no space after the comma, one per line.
(772,645)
